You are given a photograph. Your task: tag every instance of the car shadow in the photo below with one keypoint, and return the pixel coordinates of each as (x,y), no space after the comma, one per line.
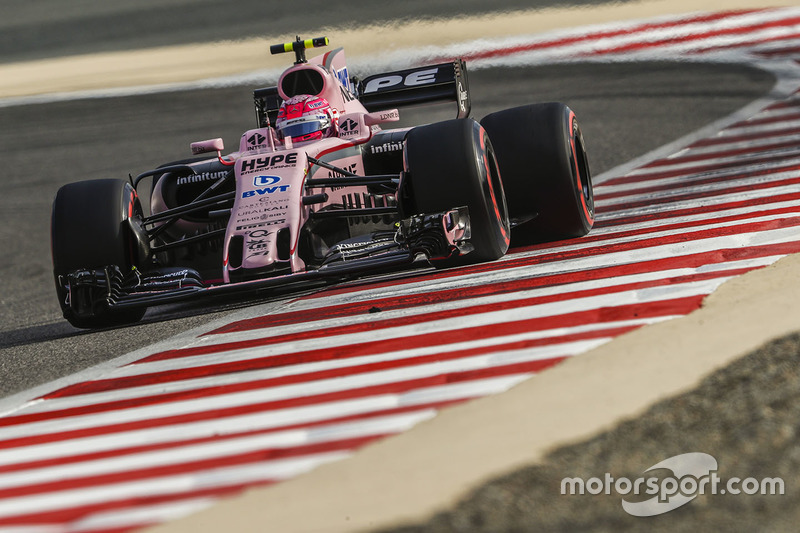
(37,334)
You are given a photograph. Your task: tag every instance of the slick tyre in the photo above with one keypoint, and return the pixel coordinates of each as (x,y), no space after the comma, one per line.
(452,164)
(90,229)
(542,159)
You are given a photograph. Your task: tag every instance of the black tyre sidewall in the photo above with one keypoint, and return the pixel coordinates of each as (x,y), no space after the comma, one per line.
(542,158)
(89,229)
(451,164)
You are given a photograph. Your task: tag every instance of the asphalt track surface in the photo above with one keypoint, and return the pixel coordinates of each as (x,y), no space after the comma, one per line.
(626,110)
(33,30)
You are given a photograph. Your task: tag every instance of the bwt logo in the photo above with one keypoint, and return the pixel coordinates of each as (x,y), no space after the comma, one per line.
(265,181)
(265,190)
(265,186)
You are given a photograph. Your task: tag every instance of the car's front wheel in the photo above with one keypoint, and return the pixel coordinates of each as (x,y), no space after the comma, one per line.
(452,164)
(90,229)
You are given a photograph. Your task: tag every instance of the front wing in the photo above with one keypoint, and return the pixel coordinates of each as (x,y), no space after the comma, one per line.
(90,291)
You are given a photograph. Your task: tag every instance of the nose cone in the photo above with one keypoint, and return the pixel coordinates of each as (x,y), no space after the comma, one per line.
(255,253)
(259,248)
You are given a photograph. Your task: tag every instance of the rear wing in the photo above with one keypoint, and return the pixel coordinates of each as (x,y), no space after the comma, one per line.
(421,85)
(445,82)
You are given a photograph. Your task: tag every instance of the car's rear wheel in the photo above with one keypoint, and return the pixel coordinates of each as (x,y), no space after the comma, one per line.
(452,164)
(545,169)
(90,230)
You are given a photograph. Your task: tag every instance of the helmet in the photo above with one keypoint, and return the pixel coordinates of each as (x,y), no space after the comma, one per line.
(306,118)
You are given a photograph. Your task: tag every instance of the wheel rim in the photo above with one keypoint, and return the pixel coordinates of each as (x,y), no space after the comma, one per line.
(495,187)
(581,173)
(584,176)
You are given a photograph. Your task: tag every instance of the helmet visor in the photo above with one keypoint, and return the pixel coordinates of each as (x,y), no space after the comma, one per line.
(304,126)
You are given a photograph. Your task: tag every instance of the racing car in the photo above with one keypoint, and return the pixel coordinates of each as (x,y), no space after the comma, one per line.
(321,191)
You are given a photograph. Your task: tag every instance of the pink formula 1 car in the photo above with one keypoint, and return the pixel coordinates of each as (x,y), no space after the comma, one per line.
(321,191)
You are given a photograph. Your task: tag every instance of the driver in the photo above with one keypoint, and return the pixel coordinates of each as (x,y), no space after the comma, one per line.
(306,118)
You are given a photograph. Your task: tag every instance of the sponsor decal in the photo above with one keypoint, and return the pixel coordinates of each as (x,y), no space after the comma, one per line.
(247,227)
(345,88)
(168,283)
(258,244)
(344,77)
(260,209)
(260,181)
(391,115)
(333,174)
(349,127)
(349,168)
(250,226)
(256,139)
(257,253)
(265,190)
(462,97)
(411,79)
(247,213)
(356,248)
(262,218)
(275,161)
(386,147)
(203,176)
(273,201)
(347,96)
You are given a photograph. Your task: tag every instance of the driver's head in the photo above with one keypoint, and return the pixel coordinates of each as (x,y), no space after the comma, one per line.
(306,118)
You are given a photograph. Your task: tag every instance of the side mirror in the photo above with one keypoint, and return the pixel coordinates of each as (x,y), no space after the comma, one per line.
(204,147)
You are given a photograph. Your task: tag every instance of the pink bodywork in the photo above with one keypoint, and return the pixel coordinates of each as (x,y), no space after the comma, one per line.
(271,174)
